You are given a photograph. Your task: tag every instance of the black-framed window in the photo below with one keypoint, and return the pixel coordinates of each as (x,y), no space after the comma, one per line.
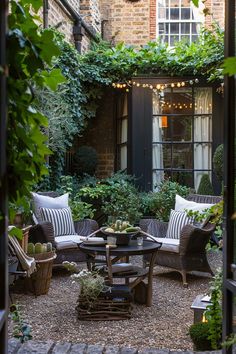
(182,135)
(122,132)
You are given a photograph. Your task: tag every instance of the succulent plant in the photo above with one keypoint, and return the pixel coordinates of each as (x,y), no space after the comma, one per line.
(30,248)
(38,247)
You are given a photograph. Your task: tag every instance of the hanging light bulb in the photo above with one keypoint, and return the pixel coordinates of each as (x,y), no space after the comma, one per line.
(197,81)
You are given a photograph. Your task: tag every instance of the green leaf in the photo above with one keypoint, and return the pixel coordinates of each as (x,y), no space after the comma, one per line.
(195,2)
(229,66)
(53,78)
(15,231)
(36,4)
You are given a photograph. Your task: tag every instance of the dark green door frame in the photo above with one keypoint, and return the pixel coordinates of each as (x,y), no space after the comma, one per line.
(3,180)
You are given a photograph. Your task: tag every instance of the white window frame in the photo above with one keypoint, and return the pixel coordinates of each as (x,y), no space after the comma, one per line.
(196,17)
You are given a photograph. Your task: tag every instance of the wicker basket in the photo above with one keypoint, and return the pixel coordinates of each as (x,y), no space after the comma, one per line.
(103,309)
(39,281)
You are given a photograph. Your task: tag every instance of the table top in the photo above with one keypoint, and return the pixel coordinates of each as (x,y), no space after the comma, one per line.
(131,249)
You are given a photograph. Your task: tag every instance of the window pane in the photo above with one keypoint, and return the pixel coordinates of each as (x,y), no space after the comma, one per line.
(202,128)
(182,156)
(184,178)
(185,28)
(185,38)
(182,128)
(174,3)
(167,155)
(202,156)
(161,28)
(185,3)
(173,39)
(194,28)
(194,38)
(124,129)
(185,14)
(174,14)
(162,13)
(157,156)
(174,28)
(203,100)
(197,177)
(123,157)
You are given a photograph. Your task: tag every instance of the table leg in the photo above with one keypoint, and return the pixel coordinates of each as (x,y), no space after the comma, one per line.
(150,273)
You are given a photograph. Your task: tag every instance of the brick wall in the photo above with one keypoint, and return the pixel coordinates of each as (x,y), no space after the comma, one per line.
(100,135)
(89,10)
(126,21)
(217,12)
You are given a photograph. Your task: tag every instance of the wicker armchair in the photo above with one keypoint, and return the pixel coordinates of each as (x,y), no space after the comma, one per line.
(66,251)
(189,252)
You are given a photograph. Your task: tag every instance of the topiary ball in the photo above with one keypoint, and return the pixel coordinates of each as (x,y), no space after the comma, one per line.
(199,333)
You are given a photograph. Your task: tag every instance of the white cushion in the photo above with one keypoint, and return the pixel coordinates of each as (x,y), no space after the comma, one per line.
(182,204)
(168,244)
(42,201)
(178,219)
(61,220)
(67,238)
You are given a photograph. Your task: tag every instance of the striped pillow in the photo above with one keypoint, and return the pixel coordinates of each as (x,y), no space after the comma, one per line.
(61,220)
(177,220)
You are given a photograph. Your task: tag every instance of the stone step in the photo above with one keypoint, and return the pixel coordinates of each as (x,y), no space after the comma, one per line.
(50,347)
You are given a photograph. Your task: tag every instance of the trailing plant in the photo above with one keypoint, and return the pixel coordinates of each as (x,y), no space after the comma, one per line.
(21,330)
(29,56)
(213,312)
(205,186)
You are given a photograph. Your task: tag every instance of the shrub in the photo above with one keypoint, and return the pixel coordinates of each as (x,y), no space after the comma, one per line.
(218,162)
(164,200)
(199,333)
(205,186)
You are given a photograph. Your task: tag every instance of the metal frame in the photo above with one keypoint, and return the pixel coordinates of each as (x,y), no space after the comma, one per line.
(3,180)
(229,286)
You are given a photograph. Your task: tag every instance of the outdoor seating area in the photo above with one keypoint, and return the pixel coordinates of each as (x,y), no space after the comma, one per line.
(117,192)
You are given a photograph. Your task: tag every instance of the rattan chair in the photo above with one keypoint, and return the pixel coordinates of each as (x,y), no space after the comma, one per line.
(66,251)
(190,253)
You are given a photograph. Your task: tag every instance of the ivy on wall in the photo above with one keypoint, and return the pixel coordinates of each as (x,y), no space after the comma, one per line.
(30,54)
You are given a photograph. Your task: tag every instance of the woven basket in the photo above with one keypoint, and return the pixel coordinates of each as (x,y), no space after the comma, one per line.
(39,281)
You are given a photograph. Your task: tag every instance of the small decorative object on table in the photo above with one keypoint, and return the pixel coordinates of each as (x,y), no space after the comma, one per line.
(122,230)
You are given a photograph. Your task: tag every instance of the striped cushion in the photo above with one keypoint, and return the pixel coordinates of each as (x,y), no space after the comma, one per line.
(61,220)
(177,220)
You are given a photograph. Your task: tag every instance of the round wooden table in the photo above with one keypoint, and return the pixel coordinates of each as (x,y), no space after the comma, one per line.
(132,249)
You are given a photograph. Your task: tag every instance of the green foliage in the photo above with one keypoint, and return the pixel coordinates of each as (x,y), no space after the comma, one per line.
(164,200)
(202,58)
(85,161)
(21,330)
(29,55)
(229,66)
(119,197)
(213,312)
(205,186)
(218,161)
(39,248)
(199,333)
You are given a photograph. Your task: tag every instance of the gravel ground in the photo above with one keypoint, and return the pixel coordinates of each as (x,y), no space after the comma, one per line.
(163,325)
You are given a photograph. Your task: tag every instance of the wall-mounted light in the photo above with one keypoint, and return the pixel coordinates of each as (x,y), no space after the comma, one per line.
(164,122)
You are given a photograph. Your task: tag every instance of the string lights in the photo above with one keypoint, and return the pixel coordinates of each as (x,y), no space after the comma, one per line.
(155,87)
